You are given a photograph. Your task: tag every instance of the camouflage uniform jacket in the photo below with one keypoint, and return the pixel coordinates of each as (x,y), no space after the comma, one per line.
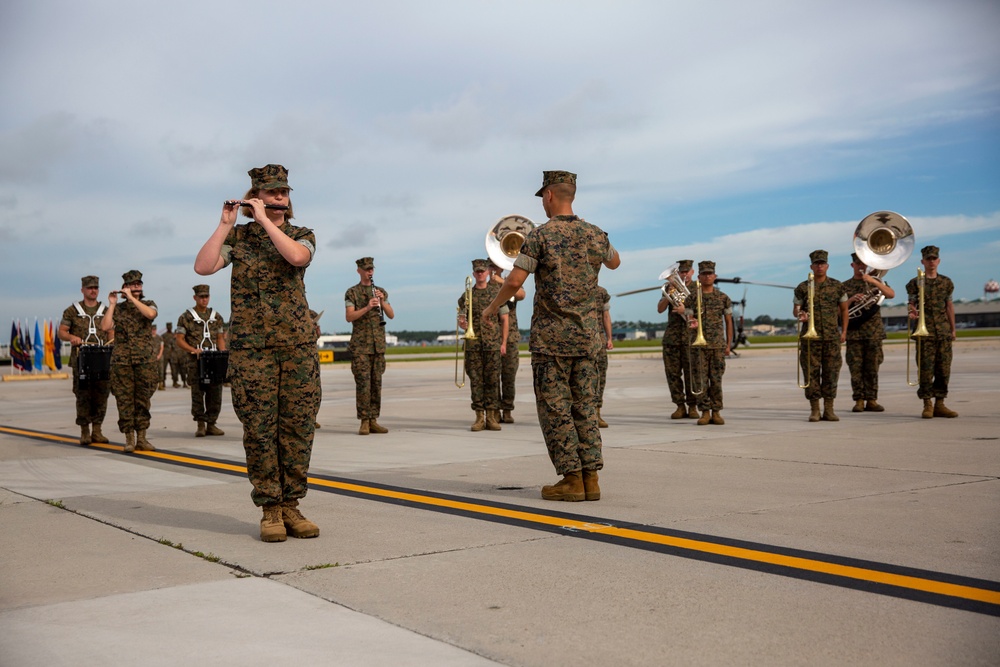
(367,334)
(870,329)
(677,331)
(513,335)
(133,339)
(194,331)
(937,294)
(715,305)
(828,296)
(604,305)
(170,345)
(488,337)
(268,295)
(80,325)
(565,254)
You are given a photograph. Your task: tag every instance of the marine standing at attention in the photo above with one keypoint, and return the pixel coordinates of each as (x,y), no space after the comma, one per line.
(367,306)
(200,329)
(934,350)
(566,255)
(273,360)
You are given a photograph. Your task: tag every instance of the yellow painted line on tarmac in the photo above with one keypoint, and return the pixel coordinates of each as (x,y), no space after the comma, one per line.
(626,535)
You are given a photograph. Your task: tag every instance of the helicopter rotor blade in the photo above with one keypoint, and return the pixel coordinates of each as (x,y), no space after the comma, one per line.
(637,291)
(738,281)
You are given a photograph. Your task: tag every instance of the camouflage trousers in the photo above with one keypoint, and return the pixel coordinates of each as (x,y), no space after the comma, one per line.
(91,399)
(864,356)
(509,364)
(206,400)
(566,400)
(133,386)
(934,369)
(368,370)
(276,394)
(483,368)
(709,367)
(677,366)
(175,368)
(602,375)
(820,361)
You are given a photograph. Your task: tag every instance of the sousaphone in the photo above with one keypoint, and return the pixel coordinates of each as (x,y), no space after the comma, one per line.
(505,238)
(883,241)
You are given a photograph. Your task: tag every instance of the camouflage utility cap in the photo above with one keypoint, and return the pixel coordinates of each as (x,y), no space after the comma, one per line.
(706,267)
(483,264)
(200,290)
(929,252)
(685,265)
(133,276)
(90,281)
(553,177)
(271,177)
(818,257)
(855,259)
(366,263)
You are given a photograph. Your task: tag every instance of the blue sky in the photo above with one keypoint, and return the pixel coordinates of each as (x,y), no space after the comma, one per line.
(745,133)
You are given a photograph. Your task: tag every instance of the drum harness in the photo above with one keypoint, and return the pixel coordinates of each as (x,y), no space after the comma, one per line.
(206,334)
(92,330)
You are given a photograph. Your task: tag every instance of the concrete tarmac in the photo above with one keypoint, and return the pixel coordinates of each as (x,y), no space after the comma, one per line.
(113,559)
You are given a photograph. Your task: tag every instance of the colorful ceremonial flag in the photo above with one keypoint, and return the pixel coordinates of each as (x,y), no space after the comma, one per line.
(57,346)
(49,351)
(38,347)
(26,347)
(16,350)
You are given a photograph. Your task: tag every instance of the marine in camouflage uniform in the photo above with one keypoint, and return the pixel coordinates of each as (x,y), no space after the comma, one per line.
(717,328)
(604,305)
(865,333)
(820,358)
(134,368)
(80,325)
(273,360)
(483,353)
(934,350)
(199,329)
(170,357)
(565,254)
(677,349)
(511,359)
(366,307)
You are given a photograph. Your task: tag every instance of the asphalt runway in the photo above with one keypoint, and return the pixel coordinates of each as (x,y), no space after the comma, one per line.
(767,541)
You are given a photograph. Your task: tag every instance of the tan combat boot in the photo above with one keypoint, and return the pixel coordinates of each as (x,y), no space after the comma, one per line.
(873,406)
(85,434)
(507,417)
(814,407)
(161,387)
(600,420)
(717,418)
(97,436)
(296,524)
(212,429)
(142,444)
(680,412)
(928,412)
(129,442)
(859,405)
(706,417)
(570,488)
(375,427)
(941,410)
(365,427)
(493,420)
(272,526)
(480,422)
(693,412)
(200,433)
(828,414)
(591,489)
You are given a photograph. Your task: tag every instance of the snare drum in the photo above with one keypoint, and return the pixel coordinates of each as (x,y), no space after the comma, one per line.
(212,366)
(94,363)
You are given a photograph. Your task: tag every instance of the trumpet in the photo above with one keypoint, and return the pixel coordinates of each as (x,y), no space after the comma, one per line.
(809,335)
(699,341)
(470,332)
(240,202)
(919,332)
(674,290)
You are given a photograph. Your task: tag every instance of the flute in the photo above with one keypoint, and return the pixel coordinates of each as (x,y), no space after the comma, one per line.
(239,202)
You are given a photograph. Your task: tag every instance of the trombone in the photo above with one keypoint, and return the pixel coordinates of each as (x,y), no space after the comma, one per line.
(809,335)
(699,341)
(470,332)
(919,332)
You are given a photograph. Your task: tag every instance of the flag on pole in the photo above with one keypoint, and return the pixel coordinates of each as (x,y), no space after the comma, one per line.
(27,347)
(57,346)
(49,351)
(16,349)
(39,347)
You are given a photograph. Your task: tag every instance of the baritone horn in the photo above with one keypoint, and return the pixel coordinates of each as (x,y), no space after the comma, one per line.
(674,290)
(808,336)
(470,332)
(883,241)
(505,238)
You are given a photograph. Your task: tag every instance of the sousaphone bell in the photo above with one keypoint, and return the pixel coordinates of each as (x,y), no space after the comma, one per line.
(883,241)
(505,238)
